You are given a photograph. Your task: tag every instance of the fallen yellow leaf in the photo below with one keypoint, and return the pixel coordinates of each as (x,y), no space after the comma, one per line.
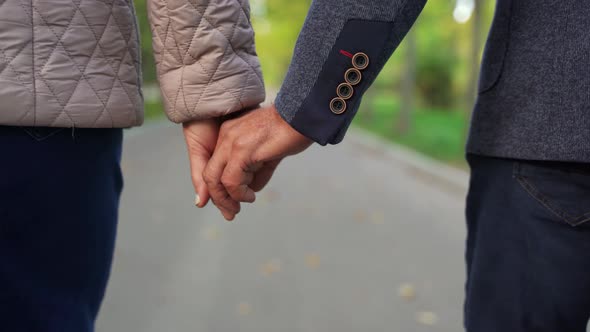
(426,318)
(407,291)
(312,261)
(270,267)
(244,309)
(212,233)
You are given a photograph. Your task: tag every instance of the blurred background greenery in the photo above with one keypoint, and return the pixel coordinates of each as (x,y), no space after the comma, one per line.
(423,96)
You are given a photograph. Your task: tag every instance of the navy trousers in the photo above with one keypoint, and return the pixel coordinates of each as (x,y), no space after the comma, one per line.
(528,247)
(59,195)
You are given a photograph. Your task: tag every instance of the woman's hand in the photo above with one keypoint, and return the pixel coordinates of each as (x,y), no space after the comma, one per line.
(201,138)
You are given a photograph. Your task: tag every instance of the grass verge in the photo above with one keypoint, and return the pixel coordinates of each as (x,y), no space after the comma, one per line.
(435,132)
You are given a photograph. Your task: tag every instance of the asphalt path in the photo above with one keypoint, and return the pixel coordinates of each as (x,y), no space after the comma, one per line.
(356,237)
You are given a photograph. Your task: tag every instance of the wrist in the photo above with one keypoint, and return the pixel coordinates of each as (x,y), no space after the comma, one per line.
(291,131)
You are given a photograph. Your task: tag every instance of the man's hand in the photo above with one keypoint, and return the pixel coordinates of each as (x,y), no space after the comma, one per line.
(248,151)
(201,137)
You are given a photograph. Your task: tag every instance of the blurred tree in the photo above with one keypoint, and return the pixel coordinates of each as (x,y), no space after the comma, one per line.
(148,66)
(442,45)
(438,56)
(431,76)
(277,24)
(408,85)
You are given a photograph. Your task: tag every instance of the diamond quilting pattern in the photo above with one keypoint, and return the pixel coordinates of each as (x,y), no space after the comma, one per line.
(207,63)
(16,76)
(78,63)
(67,63)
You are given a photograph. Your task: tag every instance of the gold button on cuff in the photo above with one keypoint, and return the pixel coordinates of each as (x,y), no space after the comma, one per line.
(360,61)
(353,76)
(345,91)
(338,105)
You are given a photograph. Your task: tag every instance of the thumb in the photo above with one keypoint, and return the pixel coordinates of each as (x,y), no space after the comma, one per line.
(200,137)
(198,162)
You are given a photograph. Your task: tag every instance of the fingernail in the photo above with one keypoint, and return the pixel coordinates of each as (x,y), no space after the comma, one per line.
(197,200)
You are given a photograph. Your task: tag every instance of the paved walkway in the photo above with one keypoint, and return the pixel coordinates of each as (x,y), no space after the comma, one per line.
(353,238)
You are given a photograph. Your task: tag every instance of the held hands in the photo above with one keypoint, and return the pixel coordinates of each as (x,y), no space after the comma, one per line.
(231,162)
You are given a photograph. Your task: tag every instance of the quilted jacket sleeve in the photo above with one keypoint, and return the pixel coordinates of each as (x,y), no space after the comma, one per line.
(205,56)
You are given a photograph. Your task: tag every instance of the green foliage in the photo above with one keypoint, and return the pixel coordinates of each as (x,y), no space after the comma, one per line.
(442,46)
(277,24)
(148,65)
(436,133)
(438,57)
(153,109)
(442,71)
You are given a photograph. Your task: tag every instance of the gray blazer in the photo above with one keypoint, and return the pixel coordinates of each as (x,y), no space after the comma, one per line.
(534,91)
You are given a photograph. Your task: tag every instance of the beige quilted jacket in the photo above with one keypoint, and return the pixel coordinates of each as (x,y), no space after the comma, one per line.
(76,63)
(206,59)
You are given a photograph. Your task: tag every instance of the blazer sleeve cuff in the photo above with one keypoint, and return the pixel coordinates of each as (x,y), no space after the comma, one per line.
(323,108)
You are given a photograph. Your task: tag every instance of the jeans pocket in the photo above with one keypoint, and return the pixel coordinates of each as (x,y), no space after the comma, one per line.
(41,133)
(563,189)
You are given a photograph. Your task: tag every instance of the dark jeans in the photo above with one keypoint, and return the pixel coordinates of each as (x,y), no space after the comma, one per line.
(59,195)
(528,247)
